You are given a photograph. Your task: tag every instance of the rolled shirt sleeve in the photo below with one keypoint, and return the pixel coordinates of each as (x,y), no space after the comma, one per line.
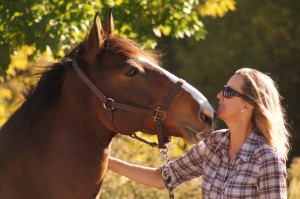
(185,168)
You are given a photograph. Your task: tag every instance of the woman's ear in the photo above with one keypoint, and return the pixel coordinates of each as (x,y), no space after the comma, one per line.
(248,106)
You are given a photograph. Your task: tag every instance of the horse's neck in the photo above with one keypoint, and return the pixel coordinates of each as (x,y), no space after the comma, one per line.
(78,136)
(77,132)
(64,149)
(64,152)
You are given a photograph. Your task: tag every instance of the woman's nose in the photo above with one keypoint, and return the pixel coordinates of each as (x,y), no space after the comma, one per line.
(219,95)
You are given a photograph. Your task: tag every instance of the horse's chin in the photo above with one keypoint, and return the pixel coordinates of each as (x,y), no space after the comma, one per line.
(193,136)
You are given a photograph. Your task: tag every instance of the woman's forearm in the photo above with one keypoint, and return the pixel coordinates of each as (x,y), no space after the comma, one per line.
(145,175)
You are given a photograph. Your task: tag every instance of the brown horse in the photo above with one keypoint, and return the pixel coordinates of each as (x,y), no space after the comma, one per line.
(56,145)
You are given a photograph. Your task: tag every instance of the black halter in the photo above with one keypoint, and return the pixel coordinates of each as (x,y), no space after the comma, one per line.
(158,114)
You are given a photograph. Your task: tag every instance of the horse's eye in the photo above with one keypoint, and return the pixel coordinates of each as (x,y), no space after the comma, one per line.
(132,72)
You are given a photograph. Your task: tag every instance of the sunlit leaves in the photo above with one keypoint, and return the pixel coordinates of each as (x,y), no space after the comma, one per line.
(43,24)
(217,8)
(60,25)
(19,61)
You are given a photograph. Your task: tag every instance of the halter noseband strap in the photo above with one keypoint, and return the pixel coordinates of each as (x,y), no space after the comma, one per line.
(159,114)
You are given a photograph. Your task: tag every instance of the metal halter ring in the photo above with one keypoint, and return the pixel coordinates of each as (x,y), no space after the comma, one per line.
(107,107)
(159,114)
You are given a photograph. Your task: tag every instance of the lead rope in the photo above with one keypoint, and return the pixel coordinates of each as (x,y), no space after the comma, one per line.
(166,177)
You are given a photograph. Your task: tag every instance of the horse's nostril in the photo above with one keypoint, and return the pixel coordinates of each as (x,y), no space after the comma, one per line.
(207,119)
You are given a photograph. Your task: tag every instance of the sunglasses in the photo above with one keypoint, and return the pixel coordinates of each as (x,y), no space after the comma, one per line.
(229,92)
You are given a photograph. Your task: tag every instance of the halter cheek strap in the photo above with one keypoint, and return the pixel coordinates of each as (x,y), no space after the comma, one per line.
(159,114)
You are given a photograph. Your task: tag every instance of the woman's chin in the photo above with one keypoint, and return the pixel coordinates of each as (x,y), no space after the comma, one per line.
(219,116)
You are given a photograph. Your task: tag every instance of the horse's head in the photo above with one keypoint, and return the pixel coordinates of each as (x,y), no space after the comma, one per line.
(133,80)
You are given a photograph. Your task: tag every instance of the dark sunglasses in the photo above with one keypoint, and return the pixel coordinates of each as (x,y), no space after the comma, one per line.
(229,92)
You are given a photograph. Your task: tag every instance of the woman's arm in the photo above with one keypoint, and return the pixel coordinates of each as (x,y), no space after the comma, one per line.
(145,175)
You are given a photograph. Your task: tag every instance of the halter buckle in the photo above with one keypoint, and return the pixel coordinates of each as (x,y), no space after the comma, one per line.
(159,114)
(110,107)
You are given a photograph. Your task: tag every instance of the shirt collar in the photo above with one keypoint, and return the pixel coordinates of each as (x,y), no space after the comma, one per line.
(247,148)
(222,147)
(246,151)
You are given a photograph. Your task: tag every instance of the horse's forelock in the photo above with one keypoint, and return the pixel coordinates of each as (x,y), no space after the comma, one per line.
(131,49)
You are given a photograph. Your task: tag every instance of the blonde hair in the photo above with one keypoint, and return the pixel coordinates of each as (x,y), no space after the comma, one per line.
(269,117)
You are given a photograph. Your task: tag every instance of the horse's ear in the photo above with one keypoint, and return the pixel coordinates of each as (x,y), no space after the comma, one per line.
(109,26)
(95,38)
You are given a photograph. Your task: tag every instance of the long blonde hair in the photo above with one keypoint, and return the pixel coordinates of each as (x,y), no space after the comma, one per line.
(269,117)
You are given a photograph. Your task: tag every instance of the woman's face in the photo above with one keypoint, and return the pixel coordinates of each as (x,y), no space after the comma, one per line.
(231,109)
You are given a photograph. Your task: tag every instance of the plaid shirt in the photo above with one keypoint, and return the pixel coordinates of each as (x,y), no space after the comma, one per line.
(256,171)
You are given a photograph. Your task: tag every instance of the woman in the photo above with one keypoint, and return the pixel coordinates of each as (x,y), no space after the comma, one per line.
(247,160)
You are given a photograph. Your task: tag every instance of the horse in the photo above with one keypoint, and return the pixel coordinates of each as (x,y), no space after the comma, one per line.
(57,143)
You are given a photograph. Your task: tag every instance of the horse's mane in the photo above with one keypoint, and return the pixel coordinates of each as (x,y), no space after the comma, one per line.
(36,103)
(44,95)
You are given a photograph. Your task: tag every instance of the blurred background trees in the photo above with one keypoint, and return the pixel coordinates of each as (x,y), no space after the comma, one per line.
(204,42)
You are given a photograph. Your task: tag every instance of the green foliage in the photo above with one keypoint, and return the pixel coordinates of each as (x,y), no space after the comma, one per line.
(294,179)
(59,25)
(55,24)
(216,8)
